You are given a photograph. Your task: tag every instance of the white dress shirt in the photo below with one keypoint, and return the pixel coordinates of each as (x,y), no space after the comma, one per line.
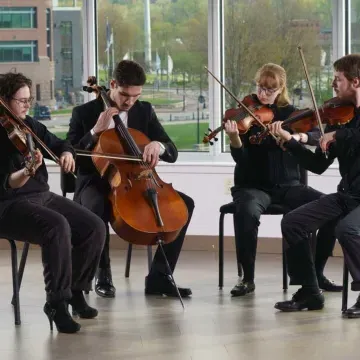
(124,118)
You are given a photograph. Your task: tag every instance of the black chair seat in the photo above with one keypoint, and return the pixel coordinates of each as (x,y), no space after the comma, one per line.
(273,209)
(230,208)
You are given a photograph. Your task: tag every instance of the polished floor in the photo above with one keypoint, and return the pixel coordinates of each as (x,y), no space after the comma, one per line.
(212,326)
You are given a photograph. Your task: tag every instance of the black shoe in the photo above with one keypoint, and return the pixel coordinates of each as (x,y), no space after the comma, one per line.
(329,285)
(59,314)
(103,285)
(354,311)
(163,285)
(80,306)
(242,288)
(302,300)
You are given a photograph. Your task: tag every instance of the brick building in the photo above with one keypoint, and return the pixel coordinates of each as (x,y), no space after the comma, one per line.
(26,44)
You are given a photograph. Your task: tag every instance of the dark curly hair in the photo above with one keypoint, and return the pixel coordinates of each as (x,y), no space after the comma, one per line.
(349,65)
(129,73)
(11,82)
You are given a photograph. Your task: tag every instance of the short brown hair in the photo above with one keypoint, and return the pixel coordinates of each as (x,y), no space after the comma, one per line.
(129,73)
(349,65)
(11,82)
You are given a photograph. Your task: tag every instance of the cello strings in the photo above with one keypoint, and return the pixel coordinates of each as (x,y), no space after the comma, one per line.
(126,135)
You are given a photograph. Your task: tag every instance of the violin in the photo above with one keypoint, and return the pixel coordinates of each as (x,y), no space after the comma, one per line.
(21,140)
(21,136)
(144,209)
(243,120)
(333,112)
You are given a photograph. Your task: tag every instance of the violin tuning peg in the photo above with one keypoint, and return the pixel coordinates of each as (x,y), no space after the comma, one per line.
(211,143)
(206,134)
(209,129)
(216,139)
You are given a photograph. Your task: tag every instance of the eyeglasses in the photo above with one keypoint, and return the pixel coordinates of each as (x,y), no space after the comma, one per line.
(267,91)
(24,101)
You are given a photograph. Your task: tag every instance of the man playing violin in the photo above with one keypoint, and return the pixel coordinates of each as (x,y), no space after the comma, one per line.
(342,206)
(266,174)
(88,122)
(71,237)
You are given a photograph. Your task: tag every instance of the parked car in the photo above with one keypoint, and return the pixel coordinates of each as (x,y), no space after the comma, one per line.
(42,112)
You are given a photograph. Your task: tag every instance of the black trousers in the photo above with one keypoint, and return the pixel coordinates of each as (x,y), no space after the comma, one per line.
(71,239)
(251,204)
(337,207)
(94,197)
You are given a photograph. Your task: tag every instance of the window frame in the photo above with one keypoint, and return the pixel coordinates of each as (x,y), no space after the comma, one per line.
(21,11)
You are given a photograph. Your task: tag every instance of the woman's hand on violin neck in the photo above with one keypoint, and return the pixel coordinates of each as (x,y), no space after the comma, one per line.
(151,153)
(67,162)
(33,163)
(277,130)
(232,131)
(104,120)
(326,140)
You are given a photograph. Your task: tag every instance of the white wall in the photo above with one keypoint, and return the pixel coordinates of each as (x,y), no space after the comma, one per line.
(208,184)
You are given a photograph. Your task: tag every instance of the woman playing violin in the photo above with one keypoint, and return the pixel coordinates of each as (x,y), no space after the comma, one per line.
(71,237)
(342,206)
(264,175)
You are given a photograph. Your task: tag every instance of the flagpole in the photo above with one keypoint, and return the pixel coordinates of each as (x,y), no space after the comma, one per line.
(108,35)
(112,50)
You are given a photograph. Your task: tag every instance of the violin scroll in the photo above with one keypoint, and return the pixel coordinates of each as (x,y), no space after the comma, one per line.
(211,135)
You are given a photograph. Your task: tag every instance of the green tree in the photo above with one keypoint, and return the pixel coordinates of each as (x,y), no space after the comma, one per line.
(262,31)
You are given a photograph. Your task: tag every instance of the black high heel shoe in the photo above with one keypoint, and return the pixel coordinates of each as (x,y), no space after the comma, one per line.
(59,314)
(80,307)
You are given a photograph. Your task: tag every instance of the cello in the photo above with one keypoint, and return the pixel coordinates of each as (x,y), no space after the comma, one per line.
(144,209)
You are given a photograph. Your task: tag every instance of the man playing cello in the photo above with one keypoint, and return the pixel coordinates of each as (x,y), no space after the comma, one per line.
(87,123)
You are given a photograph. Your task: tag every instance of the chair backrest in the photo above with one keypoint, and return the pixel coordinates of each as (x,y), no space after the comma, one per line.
(67,183)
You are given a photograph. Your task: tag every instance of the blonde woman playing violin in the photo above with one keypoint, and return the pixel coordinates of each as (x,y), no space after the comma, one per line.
(266,174)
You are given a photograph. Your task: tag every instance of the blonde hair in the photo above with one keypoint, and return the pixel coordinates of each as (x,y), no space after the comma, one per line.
(273,76)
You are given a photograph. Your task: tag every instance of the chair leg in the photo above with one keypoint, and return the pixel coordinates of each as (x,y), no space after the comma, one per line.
(221,251)
(128,261)
(345,288)
(149,255)
(284,268)
(22,266)
(23,261)
(313,241)
(15,279)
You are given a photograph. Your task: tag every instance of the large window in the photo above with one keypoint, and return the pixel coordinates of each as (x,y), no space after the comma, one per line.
(355,26)
(18,51)
(17,17)
(169,38)
(262,31)
(63,36)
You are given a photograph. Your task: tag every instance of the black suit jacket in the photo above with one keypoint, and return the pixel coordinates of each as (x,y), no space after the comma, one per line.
(84,117)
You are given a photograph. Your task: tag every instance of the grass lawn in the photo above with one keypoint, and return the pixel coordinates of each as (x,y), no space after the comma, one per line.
(183,135)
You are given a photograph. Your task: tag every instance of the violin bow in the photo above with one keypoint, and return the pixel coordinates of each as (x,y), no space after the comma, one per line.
(80,152)
(311,93)
(29,130)
(242,104)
